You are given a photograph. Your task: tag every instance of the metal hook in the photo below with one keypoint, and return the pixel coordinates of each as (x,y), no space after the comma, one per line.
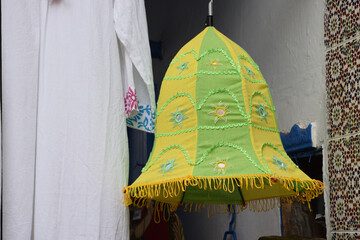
(211,7)
(209,20)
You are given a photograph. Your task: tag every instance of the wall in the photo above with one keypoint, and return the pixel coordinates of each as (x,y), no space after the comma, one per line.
(285,38)
(342,39)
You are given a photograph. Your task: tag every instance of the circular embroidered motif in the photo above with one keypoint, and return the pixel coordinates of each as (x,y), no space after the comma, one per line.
(168,166)
(221,165)
(260,109)
(215,63)
(178,117)
(220,111)
(183,66)
(249,72)
(279,163)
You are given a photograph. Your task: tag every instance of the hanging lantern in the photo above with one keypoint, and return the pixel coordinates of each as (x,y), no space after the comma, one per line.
(216,136)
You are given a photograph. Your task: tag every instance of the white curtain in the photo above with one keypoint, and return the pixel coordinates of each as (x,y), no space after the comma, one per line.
(72,72)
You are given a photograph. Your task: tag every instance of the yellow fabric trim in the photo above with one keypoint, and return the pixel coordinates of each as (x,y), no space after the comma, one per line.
(258,205)
(188,141)
(262,205)
(142,195)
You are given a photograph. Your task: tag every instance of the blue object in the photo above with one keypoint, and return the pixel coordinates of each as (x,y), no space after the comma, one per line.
(231,231)
(297,140)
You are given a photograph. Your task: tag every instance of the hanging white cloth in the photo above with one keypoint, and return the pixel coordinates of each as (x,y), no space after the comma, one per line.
(66,81)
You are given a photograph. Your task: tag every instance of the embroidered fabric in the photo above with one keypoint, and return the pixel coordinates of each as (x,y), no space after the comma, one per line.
(131,103)
(138,99)
(143,120)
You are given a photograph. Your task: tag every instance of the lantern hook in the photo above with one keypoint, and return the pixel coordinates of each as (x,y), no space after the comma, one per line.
(209,20)
(211,7)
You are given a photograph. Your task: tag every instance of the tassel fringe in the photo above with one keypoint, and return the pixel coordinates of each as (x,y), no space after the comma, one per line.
(142,195)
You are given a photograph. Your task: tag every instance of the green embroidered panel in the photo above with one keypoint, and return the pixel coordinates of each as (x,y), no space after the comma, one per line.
(211,196)
(220,107)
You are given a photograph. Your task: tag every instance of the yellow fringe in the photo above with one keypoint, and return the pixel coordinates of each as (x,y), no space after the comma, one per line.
(142,195)
(164,210)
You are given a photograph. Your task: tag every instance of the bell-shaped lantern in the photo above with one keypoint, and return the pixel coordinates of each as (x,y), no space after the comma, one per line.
(216,135)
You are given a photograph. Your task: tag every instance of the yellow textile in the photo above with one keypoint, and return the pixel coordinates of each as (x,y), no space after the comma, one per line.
(216,134)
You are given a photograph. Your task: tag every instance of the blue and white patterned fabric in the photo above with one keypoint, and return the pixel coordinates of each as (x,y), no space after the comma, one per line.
(144,120)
